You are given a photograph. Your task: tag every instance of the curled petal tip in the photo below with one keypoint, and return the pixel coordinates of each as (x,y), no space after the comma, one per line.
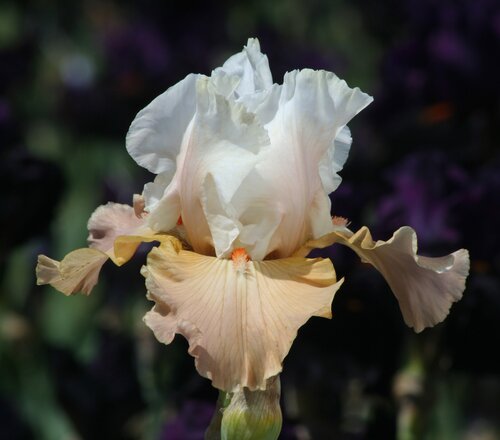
(77,272)
(425,287)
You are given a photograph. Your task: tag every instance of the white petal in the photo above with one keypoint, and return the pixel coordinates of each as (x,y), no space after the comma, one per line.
(281,202)
(264,103)
(165,213)
(251,67)
(319,215)
(254,171)
(222,150)
(313,109)
(334,159)
(157,132)
(224,83)
(155,191)
(239,324)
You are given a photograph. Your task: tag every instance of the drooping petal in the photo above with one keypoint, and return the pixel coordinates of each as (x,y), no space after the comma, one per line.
(125,246)
(424,287)
(156,135)
(77,272)
(240,322)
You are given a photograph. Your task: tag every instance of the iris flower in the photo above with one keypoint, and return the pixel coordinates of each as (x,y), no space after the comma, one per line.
(243,171)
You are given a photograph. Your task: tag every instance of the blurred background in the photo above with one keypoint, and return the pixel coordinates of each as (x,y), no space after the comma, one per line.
(425,154)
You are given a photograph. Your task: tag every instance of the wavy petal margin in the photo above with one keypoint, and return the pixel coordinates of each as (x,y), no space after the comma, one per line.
(424,287)
(114,232)
(157,133)
(240,324)
(77,272)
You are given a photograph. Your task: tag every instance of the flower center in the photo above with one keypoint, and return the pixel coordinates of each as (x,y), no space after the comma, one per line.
(240,259)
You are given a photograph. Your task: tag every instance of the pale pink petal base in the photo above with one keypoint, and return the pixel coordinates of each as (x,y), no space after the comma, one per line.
(424,287)
(240,324)
(110,221)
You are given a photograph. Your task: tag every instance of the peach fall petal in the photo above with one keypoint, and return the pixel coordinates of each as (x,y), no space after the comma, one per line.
(424,287)
(239,324)
(125,246)
(79,270)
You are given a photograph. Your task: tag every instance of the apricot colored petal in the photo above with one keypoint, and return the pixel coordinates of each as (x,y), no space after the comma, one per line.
(125,246)
(77,272)
(115,232)
(240,324)
(424,287)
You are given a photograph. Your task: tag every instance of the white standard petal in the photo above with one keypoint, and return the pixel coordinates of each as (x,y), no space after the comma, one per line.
(251,67)
(255,169)
(314,107)
(334,159)
(223,148)
(157,133)
(155,191)
(264,103)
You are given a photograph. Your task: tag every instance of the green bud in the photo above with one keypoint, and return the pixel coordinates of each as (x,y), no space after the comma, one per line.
(253,415)
(248,415)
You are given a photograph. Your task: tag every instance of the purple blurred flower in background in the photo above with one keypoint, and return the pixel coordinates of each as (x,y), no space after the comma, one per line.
(439,85)
(138,47)
(190,423)
(426,188)
(479,215)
